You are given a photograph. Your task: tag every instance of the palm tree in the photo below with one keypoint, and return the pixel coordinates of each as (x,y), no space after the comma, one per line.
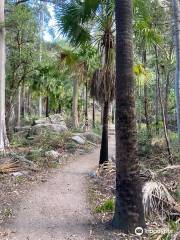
(102,89)
(76,64)
(3,136)
(128,209)
(89,21)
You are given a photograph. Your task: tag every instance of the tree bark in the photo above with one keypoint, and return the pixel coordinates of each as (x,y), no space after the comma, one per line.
(40,106)
(162,109)
(176,7)
(75,104)
(113,113)
(104,141)
(47,106)
(157,99)
(146,109)
(86,110)
(23,101)
(41,29)
(129,212)
(19,107)
(93,114)
(3,136)
(166,97)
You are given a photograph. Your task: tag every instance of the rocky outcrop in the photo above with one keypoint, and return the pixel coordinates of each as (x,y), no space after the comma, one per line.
(54,123)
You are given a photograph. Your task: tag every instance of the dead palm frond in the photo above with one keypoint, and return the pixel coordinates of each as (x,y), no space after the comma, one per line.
(9,167)
(157,199)
(102,84)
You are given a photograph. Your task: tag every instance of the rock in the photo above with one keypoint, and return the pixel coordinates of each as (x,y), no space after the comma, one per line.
(52,154)
(57,128)
(92,137)
(30,138)
(19,174)
(57,119)
(92,174)
(22,129)
(78,140)
(52,119)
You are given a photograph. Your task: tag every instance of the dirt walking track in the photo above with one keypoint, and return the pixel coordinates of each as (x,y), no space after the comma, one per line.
(58,209)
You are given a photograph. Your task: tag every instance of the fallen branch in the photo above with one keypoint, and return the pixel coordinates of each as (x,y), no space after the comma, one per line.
(173,167)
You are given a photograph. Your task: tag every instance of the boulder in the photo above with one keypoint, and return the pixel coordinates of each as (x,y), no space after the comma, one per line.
(22,129)
(57,128)
(52,154)
(78,139)
(92,137)
(52,119)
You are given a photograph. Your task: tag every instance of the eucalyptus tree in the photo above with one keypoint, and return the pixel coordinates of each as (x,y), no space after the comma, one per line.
(149,32)
(146,36)
(129,209)
(176,8)
(22,40)
(3,136)
(93,21)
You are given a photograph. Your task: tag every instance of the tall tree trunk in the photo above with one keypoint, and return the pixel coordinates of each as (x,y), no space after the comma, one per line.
(86,110)
(40,106)
(59,107)
(162,109)
(176,7)
(104,141)
(113,112)
(75,104)
(19,107)
(47,106)
(157,99)
(28,102)
(93,114)
(166,97)
(23,101)
(146,109)
(102,114)
(3,136)
(129,212)
(41,29)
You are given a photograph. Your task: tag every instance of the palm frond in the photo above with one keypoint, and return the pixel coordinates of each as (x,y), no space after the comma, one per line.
(102,84)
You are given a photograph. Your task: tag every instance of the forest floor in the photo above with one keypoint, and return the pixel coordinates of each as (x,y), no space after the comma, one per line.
(57,208)
(74,200)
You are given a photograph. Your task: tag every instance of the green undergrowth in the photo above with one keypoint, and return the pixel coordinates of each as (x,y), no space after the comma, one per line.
(107,206)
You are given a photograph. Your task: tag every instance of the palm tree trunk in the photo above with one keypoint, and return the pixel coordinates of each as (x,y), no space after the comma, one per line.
(129,211)
(176,7)
(3,136)
(47,106)
(93,114)
(104,141)
(75,104)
